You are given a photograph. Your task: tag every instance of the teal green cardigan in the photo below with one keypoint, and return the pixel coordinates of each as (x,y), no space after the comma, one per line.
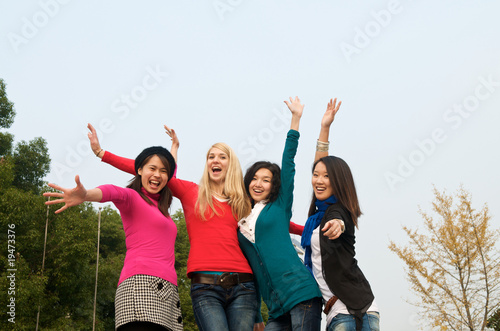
(282,279)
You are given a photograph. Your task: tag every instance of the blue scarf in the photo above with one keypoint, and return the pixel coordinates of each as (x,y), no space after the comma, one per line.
(312,223)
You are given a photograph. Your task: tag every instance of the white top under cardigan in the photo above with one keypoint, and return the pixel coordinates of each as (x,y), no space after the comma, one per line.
(338,307)
(247,224)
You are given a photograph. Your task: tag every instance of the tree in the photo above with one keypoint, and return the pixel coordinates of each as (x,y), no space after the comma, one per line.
(7,112)
(182,247)
(454,267)
(32,163)
(64,289)
(494,321)
(31,159)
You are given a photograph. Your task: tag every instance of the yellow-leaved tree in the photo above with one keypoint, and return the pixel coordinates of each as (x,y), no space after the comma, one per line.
(453,265)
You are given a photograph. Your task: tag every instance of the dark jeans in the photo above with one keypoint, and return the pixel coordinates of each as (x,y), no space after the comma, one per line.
(344,322)
(217,308)
(305,316)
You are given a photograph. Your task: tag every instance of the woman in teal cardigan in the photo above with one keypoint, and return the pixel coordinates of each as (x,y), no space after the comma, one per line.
(286,285)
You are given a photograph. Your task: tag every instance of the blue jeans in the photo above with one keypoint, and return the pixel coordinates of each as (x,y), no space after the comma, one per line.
(231,309)
(303,316)
(346,322)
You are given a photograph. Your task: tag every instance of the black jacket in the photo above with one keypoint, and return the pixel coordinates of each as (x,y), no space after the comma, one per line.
(340,268)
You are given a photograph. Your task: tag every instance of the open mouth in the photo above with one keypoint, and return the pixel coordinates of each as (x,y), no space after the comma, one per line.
(320,189)
(154,183)
(216,170)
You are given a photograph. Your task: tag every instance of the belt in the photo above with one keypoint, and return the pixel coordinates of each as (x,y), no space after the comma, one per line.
(330,304)
(226,280)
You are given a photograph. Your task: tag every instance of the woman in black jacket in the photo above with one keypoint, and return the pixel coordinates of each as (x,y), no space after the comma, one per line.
(329,239)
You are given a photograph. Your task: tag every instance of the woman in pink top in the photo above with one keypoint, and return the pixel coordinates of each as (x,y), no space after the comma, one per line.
(147,297)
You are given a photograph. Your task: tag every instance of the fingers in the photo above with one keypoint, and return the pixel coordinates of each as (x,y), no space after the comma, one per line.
(169,131)
(332,229)
(91,128)
(56,187)
(63,208)
(54,202)
(53,195)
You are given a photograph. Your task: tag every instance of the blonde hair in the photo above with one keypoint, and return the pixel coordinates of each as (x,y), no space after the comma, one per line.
(234,188)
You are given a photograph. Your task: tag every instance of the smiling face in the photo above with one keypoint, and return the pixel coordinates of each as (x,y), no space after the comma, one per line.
(321,182)
(260,186)
(154,175)
(217,165)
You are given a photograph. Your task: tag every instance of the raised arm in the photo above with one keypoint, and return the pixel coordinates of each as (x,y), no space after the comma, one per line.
(296,108)
(94,142)
(285,196)
(72,197)
(175,141)
(124,164)
(324,133)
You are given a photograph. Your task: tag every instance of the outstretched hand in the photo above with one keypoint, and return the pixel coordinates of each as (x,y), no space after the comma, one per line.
(295,106)
(172,135)
(175,141)
(70,197)
(331,110)
(94,141)
(332,229)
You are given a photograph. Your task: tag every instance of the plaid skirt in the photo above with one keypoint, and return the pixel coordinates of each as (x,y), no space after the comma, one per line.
(148,299)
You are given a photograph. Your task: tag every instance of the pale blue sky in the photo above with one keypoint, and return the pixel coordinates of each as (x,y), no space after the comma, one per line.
(419,81)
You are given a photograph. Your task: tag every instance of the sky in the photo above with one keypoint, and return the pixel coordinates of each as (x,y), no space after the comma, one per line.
(419,83)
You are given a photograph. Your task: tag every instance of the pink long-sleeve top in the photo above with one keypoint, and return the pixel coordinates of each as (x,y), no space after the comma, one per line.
(149,235)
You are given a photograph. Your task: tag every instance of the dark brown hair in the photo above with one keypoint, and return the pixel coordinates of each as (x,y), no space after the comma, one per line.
(165,194)
(342,184)
(275,181)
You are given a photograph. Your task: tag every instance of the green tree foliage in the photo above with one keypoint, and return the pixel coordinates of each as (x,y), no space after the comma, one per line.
(7,112)
(494,321)
(63,291)
(32,163)
(6,143)
(31,159)
(184,284)
(453,267)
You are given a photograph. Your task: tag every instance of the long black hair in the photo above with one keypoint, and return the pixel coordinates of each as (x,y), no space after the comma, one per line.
(275,181)
(342,184)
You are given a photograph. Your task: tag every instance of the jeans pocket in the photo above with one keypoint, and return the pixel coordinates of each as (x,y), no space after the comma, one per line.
(198,288)
(248,286)
(161,288)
